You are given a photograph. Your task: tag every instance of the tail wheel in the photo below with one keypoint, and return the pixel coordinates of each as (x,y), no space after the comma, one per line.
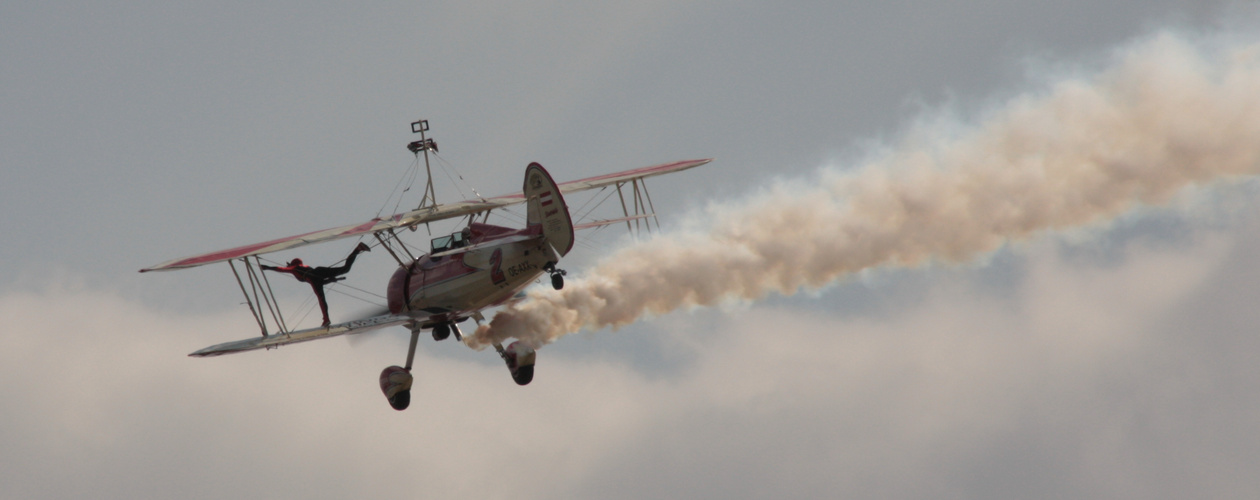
(557,275)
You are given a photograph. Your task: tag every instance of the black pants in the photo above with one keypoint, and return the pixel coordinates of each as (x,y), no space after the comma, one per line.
(320,276)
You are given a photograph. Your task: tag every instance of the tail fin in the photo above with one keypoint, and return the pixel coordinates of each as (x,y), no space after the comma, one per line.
(546,207)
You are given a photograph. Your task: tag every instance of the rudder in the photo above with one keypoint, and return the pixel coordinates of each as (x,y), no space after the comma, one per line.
(546,207)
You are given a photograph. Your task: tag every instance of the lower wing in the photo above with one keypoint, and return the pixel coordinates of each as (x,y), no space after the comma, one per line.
(279,339)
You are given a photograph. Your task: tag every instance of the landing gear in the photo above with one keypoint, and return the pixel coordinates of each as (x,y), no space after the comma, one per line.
(520,361)
(443,330)
(557,275)
(396,380)
(396,384)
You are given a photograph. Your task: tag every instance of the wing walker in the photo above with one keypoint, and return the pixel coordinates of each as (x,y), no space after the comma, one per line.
(478,267)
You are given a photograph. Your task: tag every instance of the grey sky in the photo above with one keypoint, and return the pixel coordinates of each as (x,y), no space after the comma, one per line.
(1111,363)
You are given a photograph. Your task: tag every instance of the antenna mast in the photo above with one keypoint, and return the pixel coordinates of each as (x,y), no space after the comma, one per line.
(424,144)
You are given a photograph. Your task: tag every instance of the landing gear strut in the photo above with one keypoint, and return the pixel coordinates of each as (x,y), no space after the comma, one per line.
(557,275)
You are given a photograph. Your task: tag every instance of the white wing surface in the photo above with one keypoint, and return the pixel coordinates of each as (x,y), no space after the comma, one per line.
(279,339)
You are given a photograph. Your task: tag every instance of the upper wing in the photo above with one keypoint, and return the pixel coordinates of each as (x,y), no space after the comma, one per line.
(416,217)
(627,175)
(412,218)
(279,339)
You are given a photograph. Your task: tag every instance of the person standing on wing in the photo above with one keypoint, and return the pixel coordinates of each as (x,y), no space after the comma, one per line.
(319,276)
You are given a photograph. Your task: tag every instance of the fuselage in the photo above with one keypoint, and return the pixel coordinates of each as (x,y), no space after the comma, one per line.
(449,287)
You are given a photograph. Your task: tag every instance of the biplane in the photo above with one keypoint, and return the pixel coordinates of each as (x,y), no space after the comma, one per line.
(478,267)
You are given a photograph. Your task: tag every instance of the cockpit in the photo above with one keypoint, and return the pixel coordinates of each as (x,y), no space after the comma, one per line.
(451,242)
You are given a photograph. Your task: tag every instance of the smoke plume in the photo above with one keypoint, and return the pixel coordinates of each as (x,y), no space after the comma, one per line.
(1164,115)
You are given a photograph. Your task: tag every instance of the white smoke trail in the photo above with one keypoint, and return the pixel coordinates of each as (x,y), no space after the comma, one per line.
(1165,115)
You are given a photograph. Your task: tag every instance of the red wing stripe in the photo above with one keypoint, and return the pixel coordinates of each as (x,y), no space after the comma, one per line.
(644,171)
(264,247)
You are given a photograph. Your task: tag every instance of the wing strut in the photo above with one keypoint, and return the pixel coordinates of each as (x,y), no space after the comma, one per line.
(389,248)
(650,205)
(642,203)
(270,297)
(262,294)
(257,317)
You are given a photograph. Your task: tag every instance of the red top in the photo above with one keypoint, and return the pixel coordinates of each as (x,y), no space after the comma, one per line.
(299,271)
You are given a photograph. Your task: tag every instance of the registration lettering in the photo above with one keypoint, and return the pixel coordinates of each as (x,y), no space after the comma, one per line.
(519,269)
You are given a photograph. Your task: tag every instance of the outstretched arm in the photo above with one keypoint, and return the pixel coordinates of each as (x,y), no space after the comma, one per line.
(296,271)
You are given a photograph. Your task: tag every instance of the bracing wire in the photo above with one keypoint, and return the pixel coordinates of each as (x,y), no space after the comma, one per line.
(446,169)
(442,165)
(469,185)
(509,214)
(337,290)
(409,176)
(596,205)
(305,309)
(589,200)
(360,290)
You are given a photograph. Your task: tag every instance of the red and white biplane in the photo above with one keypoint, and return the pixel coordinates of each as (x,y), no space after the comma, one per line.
(478,267)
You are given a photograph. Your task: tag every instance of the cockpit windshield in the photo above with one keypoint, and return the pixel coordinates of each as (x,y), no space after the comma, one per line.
(451,242)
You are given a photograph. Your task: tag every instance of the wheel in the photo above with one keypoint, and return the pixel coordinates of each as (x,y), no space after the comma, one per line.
(396,385)
(557,281)
(523,375)
(441,331)
(401,400)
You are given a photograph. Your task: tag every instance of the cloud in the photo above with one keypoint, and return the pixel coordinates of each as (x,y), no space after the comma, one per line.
(1072,386)
(1124,377)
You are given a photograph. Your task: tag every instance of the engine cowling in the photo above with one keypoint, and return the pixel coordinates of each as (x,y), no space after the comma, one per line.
(520,361)
(396,384)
